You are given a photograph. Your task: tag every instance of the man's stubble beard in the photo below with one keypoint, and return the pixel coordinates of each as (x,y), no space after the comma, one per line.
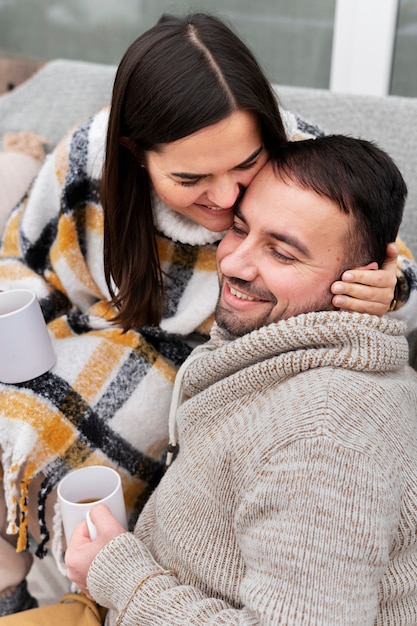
(239,325)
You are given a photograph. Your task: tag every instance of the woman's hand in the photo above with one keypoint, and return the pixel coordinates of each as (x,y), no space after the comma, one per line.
(368,289)
(82,551)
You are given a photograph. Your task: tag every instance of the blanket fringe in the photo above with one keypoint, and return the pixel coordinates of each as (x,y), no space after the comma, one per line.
(57,543)
(23,539)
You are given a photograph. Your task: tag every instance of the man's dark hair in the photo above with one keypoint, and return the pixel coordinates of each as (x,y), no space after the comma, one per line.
(359,177)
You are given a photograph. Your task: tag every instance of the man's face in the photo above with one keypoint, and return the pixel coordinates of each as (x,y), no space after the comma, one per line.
(286,247)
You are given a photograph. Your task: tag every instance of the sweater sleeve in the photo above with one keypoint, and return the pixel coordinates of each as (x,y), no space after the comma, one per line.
(126,578)
(314,534)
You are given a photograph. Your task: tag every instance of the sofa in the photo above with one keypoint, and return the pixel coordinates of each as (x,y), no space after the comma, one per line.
(63,92)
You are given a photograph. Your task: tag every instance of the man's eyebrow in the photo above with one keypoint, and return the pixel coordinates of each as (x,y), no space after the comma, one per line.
(291,240)
(189,176)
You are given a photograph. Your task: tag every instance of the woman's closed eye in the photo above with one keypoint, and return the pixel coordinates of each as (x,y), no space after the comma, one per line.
(190,183)
(248,166)
(195,181)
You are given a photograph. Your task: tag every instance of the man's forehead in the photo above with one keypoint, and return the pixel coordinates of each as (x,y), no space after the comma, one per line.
(282,209)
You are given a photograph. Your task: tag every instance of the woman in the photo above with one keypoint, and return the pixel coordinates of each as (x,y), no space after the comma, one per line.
(192,120)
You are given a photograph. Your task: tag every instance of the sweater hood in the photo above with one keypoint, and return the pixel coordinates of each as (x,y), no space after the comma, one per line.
(325,339)
(237,365)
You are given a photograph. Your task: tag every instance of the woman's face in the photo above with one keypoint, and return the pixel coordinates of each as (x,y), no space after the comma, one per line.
(202,175)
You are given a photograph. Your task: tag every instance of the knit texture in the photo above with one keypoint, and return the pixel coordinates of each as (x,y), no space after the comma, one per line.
(106,400)
(293,498)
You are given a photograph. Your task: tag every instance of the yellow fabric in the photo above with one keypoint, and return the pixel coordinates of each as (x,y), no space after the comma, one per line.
(403,249)
(73,610)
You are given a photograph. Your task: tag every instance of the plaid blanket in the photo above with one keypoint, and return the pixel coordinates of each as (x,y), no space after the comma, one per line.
(106,401)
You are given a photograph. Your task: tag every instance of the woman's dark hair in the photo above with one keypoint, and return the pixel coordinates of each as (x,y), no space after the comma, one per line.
(178,77)
(360,178)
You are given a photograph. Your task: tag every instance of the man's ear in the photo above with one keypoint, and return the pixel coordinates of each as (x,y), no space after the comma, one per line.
(370,266)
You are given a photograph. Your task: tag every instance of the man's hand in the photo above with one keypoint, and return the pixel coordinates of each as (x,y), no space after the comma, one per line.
(368,289)
(81,550)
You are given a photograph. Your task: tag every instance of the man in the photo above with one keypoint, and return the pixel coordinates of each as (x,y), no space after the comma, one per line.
(292,498)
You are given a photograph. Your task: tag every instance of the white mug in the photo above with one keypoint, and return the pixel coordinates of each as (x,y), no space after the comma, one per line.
(26,349)
(82,489)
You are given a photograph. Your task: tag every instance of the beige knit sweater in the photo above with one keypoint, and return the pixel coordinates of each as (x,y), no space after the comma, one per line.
(293,499)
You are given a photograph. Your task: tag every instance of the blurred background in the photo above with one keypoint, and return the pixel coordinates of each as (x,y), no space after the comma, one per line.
(347,45)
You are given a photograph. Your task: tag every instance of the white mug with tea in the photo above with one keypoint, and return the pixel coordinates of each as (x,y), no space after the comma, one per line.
(82,489)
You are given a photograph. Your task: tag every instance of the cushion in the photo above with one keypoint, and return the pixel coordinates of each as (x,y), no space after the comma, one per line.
(17,170)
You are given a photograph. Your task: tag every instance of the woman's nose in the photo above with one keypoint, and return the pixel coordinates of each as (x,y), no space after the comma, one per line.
(225,193)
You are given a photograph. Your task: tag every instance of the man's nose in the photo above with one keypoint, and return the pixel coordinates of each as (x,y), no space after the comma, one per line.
(240,262)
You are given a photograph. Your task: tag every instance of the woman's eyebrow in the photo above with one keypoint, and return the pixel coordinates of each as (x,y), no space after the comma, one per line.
(251,157)
(189,176)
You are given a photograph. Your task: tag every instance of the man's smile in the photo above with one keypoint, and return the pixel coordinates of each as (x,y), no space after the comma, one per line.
(239,294)
(233,293)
